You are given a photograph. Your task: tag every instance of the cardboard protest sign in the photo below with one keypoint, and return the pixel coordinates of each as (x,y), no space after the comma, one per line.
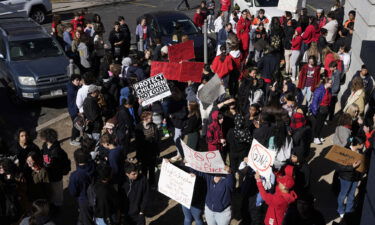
(152,89)
(176,184)
(211,90)
(182,51)
(191,71)
(206,162)
(171,71)
(288,5)
(261,159)
(346,157)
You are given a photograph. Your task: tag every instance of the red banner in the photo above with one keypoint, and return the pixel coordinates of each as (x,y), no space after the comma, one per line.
(191,71)
(171,71)
(182,51)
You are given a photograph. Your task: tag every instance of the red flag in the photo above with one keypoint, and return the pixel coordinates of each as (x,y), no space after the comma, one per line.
(191,71)
(182,51)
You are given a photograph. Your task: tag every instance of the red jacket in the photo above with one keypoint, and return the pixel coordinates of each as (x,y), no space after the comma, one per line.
(214,133)
(277,204)
(198,19)
(222,68)
(302,77)
(225,5)
(311,34)
(296,43)
(243,27)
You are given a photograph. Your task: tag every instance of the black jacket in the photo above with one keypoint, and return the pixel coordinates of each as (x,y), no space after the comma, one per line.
(93,113)
(191,125)
(107,200)
(348,173)
(53,161)
(302,139)
(147,149)
(126,33)
(21,153)
(178,112)
(268,66)
(135,195)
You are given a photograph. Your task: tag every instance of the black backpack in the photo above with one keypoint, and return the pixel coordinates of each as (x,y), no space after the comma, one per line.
(91,195)
(65,162)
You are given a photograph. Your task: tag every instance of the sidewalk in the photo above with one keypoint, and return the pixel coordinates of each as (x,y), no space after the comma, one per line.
(71,5)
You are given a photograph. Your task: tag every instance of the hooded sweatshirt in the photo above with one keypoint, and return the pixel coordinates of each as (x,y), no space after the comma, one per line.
(214,133)
(80,180)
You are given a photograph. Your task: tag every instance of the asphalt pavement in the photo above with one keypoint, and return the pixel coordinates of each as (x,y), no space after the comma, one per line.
(37,113)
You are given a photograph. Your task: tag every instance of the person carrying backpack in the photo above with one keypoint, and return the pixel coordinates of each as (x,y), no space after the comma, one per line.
(79,182)
(56,162)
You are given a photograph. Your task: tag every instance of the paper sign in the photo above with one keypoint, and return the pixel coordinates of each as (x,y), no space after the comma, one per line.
(288,5)
(261,159)
(346,157)
(211,90)
(152,89)
(206,162)
(171,71)
(182,51)
(176,184)
(191,71)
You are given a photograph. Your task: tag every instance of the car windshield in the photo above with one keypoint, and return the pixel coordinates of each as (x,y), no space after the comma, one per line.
(34,49)
(167,26)
(266,3)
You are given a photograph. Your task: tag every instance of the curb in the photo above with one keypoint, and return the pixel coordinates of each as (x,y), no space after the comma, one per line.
(50,122)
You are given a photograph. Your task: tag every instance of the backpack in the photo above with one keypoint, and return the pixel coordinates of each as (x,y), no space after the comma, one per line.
(91,195)
(65,162)
(276,41)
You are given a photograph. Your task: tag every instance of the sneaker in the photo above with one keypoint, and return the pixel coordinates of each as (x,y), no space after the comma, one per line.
(176,158)
(322,139)
(342,215)
(75,143)
(317,141)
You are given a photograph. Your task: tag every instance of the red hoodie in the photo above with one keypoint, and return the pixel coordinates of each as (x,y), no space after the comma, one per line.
(222,68)
(198,19)
(297,40)
(278,204)
(225,5)
(214,133)
(311,34)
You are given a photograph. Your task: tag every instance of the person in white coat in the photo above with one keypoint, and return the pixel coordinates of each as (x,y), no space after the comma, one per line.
(331,27)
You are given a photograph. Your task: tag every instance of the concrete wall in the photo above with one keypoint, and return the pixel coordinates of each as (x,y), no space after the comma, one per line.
(364,29)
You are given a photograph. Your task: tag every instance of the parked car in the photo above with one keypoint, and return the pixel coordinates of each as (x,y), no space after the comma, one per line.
(33,65)
(35,9)
(163,25)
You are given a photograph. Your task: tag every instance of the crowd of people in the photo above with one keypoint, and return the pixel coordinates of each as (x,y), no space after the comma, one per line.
(282,78)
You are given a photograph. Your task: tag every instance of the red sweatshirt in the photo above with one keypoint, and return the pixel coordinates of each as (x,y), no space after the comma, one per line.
(311,34)
(225,5)
(198,19)
(277,204)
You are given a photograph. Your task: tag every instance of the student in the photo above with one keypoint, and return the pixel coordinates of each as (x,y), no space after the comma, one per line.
(79,181)
(92,112)
(72,89)
(135,192)
(309,78)
(40,214)
(38,184)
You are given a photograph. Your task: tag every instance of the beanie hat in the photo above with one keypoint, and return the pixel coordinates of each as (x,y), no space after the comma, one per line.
(287,181)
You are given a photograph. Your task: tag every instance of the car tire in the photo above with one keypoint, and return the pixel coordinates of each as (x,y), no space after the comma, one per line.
(38,14)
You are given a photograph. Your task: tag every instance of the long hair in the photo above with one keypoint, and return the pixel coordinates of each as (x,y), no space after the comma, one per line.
(39,209)
(327,51)
(194,109)
(357,84)
(313,51)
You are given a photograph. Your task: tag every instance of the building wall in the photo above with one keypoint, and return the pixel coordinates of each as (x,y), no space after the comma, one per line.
(364,29)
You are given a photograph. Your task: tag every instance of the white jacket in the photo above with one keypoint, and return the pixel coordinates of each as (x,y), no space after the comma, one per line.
(331,27)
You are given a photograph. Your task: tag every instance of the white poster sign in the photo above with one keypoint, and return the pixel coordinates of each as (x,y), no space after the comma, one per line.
(261,159)
(211,90)
(152,89)
(288,5)
(206,162)
(176,184)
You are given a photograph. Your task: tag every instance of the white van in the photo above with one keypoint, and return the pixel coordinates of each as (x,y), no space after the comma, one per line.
(35,9)
(272,7)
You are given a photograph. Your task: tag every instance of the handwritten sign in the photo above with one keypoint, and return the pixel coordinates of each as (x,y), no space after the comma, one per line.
(206,162)
(176,184)
(152,89)
(182,51)
(261,159)
(211,90)
(346,157)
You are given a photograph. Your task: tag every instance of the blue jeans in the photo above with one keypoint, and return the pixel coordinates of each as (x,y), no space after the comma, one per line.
(100,221)
(218,218)
(192,214)
(347,190)
(306,91)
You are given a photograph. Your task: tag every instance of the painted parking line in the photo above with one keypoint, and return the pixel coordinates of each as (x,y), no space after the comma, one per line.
(136,2)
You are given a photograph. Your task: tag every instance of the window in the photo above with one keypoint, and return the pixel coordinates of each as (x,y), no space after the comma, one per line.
(249,2)
(34,49)
(266,3)
(167,27)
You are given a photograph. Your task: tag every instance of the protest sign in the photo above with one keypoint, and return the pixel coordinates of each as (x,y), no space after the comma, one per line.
(261,159)
(206,162)
(191,71)
(182,51)
(211,90)
(176,184)
(152,89)
(171,71)
(346,157)
(288,5)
